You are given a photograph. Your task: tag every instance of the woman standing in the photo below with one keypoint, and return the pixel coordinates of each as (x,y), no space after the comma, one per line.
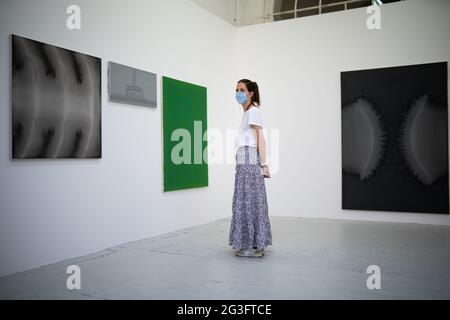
(250,230)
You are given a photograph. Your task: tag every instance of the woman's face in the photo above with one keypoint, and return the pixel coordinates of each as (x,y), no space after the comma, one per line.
(241,87)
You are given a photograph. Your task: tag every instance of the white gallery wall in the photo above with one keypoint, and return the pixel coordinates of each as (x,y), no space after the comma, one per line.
(51,210)
(225,9)
(297,64)
(55,209)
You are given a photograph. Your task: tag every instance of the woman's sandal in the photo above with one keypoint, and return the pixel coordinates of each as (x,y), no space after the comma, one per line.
(249,253)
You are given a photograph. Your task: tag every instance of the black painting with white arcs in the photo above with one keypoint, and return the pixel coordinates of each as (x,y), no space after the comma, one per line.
(56,102)
(395,139)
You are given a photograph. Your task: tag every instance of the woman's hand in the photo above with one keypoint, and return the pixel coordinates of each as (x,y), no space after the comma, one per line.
(266,171)
(261,145)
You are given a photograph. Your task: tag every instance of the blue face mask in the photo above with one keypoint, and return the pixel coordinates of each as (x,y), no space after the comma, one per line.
(241,97)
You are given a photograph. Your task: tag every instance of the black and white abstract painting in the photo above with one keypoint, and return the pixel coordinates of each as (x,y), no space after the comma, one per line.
(56,102)
(132,86)
(395,139)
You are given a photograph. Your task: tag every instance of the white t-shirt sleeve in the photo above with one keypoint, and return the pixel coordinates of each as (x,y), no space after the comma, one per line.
(255,117)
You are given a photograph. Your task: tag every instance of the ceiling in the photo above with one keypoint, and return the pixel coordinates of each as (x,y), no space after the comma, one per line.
(247,12)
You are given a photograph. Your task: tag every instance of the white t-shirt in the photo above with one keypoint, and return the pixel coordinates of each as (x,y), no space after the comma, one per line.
(247,135)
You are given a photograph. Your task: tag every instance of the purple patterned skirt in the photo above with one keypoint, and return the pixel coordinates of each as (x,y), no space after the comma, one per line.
(250,225)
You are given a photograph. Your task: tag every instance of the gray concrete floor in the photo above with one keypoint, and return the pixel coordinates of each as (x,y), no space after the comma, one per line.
(309,259)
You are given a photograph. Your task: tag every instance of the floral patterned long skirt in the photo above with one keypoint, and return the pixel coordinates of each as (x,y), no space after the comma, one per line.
(250,225)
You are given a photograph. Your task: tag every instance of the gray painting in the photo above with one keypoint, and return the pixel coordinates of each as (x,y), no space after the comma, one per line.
(56,102)
(132,86)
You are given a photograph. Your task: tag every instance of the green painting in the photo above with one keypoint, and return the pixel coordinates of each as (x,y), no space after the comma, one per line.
(184,135)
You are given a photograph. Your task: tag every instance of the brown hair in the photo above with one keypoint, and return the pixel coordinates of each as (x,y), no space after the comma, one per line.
(252,87)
